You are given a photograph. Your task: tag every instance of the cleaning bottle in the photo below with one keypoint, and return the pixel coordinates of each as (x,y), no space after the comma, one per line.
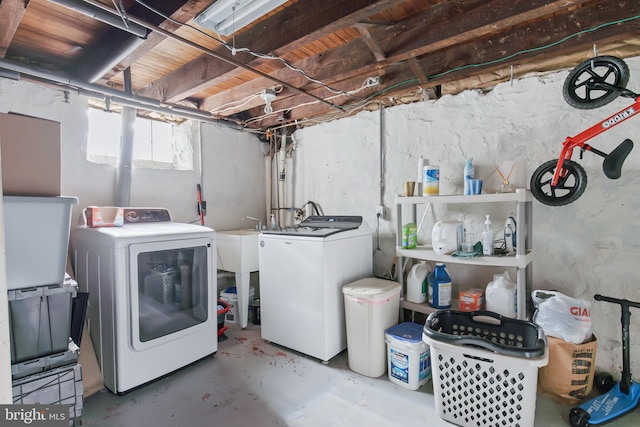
(417,283)
(273,222)
(439,287)
(468,175)
(487,237)
(409,239)
(501,295)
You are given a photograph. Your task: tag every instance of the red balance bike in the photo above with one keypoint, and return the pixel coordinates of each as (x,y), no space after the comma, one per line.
(592,84)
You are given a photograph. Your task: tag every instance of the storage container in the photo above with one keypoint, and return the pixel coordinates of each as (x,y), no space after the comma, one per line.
(45,363)
(60,386)
(40,321)
(36,239)
(408,360)
(371,307)
(484,367)
(230,295)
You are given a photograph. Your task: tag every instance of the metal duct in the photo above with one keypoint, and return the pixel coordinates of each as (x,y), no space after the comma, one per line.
(64,81)
(103,16)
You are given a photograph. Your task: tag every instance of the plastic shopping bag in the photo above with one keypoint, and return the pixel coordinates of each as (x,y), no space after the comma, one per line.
(562,317)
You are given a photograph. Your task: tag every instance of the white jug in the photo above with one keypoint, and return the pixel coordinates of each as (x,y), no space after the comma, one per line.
(417,283)
(446,236)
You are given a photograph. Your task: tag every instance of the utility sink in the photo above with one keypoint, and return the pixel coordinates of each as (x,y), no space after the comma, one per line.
(238,253)
(238,250)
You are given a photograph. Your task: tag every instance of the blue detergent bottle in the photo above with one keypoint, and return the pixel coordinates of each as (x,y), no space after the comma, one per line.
(468,175)
(439,287)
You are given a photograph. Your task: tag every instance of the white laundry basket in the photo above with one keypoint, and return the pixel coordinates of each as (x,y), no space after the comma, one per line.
(371,307)
(485,367)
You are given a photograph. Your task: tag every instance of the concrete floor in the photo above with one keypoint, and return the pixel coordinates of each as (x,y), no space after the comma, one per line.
(253,383)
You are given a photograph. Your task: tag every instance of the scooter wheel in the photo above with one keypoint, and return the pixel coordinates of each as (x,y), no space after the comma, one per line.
(578,417)
(603,382)
(571,185)
(583,86)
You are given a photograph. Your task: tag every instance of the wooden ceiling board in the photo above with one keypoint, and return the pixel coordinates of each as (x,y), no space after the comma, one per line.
(409,44)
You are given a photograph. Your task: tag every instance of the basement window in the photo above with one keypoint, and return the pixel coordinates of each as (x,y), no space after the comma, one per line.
(156,144)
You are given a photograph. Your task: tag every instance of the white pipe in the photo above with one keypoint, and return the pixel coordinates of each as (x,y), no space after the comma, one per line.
(267,175)
(281,179)
(125,158)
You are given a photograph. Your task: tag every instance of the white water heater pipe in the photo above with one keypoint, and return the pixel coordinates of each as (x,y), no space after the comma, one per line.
(282,188)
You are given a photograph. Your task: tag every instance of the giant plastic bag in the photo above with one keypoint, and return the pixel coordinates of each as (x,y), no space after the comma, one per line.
(562,316)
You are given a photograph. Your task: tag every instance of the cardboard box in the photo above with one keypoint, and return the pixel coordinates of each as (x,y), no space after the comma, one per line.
(104,216)
(471,300)
(31,156)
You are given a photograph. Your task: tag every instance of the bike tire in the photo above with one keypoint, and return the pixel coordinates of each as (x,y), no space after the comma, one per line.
(601,69)
(570,187)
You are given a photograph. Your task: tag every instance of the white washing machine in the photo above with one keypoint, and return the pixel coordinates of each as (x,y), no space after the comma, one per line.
(152,288)
(302,271)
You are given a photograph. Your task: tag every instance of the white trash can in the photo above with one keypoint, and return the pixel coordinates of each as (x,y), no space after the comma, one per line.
(371,307)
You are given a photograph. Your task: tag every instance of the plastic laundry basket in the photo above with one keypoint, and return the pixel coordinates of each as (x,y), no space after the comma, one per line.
(484,367)
(371,307)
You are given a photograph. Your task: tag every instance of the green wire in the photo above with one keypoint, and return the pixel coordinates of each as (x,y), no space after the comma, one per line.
(535,49)
(495,61)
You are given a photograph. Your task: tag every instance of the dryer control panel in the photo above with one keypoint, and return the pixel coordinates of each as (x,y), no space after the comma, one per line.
(144,215)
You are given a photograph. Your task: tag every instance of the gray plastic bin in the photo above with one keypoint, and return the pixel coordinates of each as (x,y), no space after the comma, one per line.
(40,321)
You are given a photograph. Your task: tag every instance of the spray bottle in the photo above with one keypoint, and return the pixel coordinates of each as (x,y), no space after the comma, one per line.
(487,237)
(468,175)
(273,222)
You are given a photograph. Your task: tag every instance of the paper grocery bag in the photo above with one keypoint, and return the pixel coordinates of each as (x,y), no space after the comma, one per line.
(568,377)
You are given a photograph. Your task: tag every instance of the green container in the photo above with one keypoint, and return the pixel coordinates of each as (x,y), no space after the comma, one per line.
(409,236)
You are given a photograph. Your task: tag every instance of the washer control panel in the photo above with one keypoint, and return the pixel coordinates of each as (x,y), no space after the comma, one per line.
(144,215)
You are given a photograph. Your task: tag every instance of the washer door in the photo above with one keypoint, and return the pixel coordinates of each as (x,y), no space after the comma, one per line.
(170,289)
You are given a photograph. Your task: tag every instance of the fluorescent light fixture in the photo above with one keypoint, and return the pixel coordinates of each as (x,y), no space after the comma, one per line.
(228,16)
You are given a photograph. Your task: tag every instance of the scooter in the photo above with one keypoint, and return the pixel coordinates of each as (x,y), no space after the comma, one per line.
(624,396)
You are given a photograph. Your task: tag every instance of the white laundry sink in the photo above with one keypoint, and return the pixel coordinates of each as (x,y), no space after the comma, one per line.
(238,250)
(238,253)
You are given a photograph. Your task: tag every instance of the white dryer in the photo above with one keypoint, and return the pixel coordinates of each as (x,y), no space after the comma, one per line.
(152,287)
(302,271)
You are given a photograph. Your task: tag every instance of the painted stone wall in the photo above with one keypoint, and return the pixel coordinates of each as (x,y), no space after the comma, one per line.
(587,247)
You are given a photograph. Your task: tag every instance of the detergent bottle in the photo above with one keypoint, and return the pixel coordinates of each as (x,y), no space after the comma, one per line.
(417,283)
(439,287)
(501,295)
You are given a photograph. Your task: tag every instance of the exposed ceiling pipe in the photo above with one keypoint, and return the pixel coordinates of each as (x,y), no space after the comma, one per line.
(209,52)
(99,13)
(101,67)
(103,92)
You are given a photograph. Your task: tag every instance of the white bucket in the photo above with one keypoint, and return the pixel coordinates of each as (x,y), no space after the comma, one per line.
(230,296)
(408,360)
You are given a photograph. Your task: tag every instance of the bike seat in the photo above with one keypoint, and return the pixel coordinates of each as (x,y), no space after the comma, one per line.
(612,164)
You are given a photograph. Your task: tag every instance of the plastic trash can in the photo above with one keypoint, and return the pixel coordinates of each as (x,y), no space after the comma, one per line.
(371,307)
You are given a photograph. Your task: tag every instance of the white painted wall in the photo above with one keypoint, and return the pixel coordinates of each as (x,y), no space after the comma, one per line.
(232,170)
(588,247)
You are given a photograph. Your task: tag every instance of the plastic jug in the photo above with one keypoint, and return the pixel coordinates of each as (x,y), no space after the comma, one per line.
(417,283)
(500,295)
(446,236)
(439,287)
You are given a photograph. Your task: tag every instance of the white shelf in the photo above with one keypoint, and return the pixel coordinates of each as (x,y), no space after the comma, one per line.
(424,307)
(520,195)
(425,252)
